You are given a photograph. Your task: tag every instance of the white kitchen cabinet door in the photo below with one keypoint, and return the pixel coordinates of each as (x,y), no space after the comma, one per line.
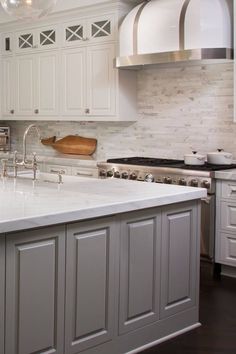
(74,33)
(25,41)
(8,92)
(101,29)
(73,81)
(25,85)
(47,91)
(101,81)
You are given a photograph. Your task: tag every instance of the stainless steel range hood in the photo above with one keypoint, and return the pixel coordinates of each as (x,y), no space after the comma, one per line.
(175,31)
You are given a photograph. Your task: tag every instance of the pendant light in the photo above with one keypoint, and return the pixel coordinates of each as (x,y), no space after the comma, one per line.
(27,9)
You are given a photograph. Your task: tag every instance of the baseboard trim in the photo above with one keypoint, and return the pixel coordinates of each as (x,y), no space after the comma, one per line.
(164,339)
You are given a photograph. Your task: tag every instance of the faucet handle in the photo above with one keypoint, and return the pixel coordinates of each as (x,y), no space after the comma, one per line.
(34,158)
(15,156)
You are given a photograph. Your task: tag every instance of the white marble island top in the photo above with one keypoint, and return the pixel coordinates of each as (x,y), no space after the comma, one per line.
(26,204)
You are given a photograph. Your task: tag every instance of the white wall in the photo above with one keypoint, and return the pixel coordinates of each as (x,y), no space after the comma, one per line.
(180,109)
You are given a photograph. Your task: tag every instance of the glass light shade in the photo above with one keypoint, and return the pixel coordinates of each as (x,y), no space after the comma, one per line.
(28,9)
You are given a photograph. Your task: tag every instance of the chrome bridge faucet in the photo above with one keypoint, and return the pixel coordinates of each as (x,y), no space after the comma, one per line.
(29,165)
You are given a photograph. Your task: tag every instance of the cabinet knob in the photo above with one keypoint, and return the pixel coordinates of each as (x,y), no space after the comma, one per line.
(36,111)
(87,111)
(12,111)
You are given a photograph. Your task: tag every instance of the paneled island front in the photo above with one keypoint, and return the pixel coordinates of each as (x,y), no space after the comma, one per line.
(96,266)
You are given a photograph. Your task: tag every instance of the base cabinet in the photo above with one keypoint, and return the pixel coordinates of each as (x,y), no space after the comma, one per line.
(139,270)
(102,286)
(179,255)
(35,265)
(90,283)
(225,251)
(2,291)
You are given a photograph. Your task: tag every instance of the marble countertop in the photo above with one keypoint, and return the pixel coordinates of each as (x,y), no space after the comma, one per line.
(26,204)
(229,175)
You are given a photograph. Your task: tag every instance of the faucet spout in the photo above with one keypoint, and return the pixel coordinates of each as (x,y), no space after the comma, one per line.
(30,127)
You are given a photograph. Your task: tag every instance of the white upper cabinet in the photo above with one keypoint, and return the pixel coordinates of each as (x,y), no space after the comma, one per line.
(25,85)
(37,85)
(101,81)
(8,87)
(37,39)
(47,84)
(101,29)
(84,32)
(73,82)
(65,70)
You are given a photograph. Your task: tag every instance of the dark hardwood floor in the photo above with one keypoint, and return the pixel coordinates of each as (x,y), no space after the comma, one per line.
(217,335)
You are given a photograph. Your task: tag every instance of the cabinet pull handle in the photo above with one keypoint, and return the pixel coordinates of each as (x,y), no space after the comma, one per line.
(62,172)
(36,111)
(87,174)
(87,111)
(12,111)
(233,189)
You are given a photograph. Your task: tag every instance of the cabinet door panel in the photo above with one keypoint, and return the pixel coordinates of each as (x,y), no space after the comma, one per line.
(34,292)
(90,284)
(47,84)
(228,216)
(101,90)
(2,291)
(25,85)
(139,270)
(179,259)
(227,249)
(8,93)
(73,87)
(101,29)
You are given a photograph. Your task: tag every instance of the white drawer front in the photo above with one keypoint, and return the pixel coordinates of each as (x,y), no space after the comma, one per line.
(64,170)
(229,189)
(228,216)
(228,249)
(85,172)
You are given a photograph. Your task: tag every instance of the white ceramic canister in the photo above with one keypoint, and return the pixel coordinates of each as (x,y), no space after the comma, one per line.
(220,157)
(194,159)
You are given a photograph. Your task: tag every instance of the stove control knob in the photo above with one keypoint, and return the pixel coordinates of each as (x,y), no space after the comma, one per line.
(133,176)
(194,183)
(149,178)
(167,180)
(125,175)
(102,173)
(117,174)
(206,184)
(110,173)
(182,182)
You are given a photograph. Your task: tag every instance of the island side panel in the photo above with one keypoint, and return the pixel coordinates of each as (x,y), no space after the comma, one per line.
(139,269)
(91,287)
(179,258)
(35,276)
(2,291)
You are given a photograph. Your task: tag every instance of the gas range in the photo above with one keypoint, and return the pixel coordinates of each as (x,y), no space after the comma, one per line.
(168,171)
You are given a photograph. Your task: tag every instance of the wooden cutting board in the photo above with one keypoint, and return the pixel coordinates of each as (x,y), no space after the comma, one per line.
(72,144)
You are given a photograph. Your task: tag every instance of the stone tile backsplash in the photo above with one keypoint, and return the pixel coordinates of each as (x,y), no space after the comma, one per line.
(179,110)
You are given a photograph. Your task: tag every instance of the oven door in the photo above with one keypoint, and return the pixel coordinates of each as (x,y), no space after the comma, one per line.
(208,228)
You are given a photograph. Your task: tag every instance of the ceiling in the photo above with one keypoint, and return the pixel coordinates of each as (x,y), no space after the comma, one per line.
(65,5)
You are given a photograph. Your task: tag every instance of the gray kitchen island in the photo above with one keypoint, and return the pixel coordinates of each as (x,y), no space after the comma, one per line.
(96,266)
